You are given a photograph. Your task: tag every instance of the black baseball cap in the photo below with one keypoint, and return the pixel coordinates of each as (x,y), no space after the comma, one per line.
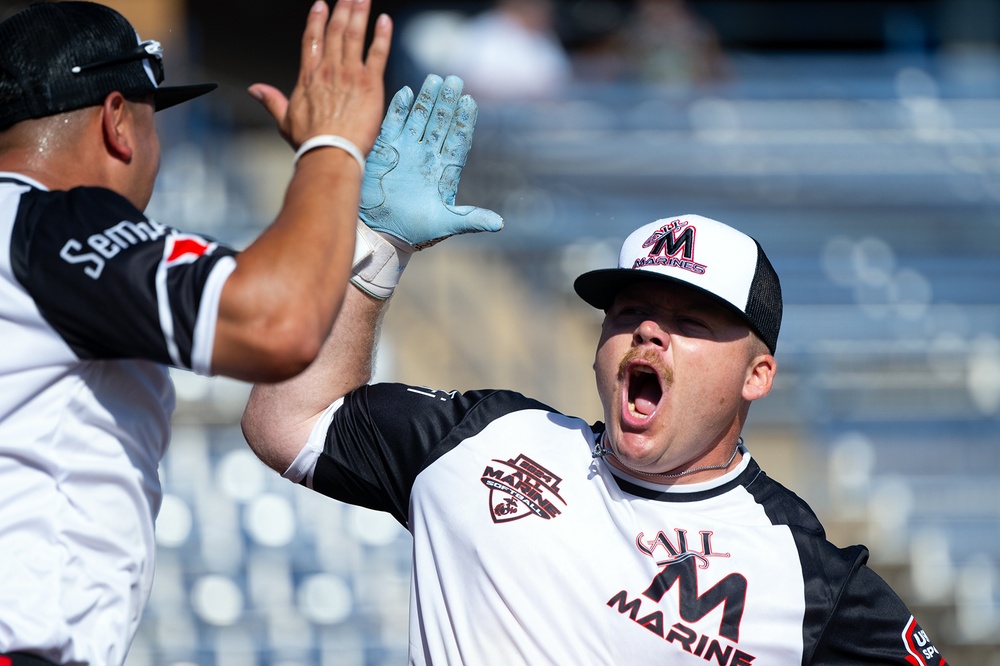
(701,253)
(61,56)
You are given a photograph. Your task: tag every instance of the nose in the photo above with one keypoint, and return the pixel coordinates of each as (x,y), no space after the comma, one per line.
(649,332)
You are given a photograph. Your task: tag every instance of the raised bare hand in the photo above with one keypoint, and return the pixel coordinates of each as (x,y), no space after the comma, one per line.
(338,91)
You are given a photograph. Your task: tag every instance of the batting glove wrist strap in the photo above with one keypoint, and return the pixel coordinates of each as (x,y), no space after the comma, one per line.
(378,273)
(330,141)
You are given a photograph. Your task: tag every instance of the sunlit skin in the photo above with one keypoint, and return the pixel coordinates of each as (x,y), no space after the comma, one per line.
(676,373)
(114,145)
(146,155)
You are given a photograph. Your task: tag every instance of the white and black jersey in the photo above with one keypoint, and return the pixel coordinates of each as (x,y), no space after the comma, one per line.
(96,300)
(527,550)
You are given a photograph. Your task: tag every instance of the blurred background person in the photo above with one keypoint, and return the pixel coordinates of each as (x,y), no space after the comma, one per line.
(665,42)
(510,51)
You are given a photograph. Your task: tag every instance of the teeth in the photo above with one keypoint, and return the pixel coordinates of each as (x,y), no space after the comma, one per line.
(645,369)
(633,412)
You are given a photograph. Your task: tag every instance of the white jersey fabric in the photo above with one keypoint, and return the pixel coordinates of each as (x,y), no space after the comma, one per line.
(527,550)
(95,301)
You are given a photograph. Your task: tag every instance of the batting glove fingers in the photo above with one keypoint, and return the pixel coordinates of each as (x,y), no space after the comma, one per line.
(413,172)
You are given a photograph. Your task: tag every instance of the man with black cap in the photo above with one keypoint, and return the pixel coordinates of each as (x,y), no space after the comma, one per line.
(97,300)
(653,537)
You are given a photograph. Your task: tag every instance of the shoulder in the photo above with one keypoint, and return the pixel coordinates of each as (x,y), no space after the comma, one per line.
(782,506)
(81,209)
(821,559)
(83,199)
(434,420)
(487,402)
(31,199)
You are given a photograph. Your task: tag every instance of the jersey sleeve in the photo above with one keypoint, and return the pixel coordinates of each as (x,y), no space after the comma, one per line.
(871,625)
(384,435)
(116,284)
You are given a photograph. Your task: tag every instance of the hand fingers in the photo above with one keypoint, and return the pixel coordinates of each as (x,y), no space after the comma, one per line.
(478,219)
(336,91)
(456,147)
(271,99)
(339,19)
(354,33)
(416,122)
(459,140)
(312,40)
(448,184)
(395,117)
(378,52)
(443,112)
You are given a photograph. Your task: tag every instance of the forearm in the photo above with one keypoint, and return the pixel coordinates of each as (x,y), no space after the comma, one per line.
(277,307)
(410,183)
(279,417)
(280,302)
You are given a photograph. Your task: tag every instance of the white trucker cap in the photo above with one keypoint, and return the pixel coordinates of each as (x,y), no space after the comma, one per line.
(704,253)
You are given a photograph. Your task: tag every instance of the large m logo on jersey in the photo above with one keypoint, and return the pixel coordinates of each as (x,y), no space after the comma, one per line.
(680,562)
(730,592)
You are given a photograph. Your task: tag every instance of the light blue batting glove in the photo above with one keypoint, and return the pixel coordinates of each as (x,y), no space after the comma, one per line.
(412,174)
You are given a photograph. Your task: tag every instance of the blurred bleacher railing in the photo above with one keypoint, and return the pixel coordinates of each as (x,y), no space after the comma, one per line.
(874,185)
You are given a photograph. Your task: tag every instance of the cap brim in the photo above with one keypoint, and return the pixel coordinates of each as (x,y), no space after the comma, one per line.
(168,96)
(599,288)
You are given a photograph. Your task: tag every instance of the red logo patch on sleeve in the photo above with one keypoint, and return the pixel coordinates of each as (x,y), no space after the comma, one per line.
(920,650)
(184,249)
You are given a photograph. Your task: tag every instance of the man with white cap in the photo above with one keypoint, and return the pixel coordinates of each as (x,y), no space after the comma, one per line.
(97,300)
(540,538)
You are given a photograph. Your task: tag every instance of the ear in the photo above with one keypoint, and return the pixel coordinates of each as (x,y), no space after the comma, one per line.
(760,377)
(116,121)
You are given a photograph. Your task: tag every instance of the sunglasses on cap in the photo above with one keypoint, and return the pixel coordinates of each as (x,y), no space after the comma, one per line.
(151,51)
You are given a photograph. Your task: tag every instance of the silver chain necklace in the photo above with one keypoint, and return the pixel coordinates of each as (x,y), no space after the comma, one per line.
(600,451)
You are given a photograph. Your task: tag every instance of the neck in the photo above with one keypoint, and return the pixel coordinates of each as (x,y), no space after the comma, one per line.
(60,152)
(689,475)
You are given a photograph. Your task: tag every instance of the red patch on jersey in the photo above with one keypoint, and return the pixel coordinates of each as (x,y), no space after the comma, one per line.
(921,652)
(184,249)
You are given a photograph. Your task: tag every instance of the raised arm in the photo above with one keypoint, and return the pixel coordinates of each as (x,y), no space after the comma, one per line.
(408,203)
(280,302)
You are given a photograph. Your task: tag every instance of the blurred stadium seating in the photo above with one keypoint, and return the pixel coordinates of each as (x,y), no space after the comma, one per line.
(874,183)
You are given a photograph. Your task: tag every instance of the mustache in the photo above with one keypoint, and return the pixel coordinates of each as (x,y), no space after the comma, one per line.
(650,357)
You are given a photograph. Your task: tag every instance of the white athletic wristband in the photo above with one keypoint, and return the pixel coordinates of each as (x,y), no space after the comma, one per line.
(333,141)
(378,273)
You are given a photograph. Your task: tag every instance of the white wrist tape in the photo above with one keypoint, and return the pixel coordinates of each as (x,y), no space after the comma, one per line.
(332,141)
(363,248)
(378,273)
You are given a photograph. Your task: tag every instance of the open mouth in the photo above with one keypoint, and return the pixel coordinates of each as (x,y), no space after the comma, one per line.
(644,390)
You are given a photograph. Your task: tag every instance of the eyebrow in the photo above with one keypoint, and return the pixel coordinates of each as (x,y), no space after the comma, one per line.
(692,303)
